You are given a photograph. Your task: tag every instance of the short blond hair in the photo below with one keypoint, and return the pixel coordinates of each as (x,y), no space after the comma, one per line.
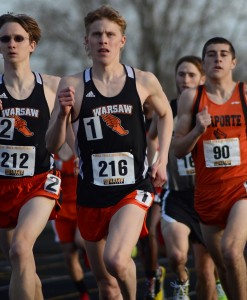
(107,12)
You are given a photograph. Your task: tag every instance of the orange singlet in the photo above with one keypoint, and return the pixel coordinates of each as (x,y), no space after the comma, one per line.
(221,160)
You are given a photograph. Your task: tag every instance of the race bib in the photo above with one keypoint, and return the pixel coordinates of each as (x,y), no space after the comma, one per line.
(93,128)
(7,126)
(52,184)
(113,169)
(222,153)
(17,161)
(145,198)
(186,165)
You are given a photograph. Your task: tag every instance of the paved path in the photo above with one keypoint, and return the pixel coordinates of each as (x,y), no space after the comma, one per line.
(56,282)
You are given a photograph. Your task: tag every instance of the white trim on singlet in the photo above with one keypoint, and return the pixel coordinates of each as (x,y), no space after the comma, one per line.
(87,75)
(145,170)
(38,77)
(130,71)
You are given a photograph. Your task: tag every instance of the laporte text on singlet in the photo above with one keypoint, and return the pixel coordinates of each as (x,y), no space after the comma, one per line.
(226,120)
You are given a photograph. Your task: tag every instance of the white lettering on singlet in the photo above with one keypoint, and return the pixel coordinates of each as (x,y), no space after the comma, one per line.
(23,111)
(113,109)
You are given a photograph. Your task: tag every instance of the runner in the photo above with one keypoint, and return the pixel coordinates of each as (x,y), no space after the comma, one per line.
(114,189)
(211,123)
(30,186)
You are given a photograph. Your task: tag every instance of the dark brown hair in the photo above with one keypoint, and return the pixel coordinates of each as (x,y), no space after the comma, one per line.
(218,40)
(28,23)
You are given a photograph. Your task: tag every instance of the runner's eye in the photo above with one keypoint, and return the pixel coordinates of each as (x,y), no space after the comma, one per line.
(17,38)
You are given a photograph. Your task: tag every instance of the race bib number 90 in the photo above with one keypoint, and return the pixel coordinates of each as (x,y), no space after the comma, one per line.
(113,169)
(222,153)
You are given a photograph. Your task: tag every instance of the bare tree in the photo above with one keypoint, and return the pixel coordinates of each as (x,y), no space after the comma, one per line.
(158,33)
(171,29)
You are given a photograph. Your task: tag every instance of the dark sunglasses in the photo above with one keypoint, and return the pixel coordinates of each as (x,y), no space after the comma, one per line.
(17,38)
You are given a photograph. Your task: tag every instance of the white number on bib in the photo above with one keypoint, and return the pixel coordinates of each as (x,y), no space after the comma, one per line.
(222,153)
(113,168)
(17,160)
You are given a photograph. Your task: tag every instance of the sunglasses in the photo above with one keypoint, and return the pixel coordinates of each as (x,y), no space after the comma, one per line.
(17,38)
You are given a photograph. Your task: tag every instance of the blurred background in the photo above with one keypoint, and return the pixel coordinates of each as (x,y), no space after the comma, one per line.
(159,32)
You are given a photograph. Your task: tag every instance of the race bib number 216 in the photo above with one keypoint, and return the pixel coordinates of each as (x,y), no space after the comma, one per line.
(113,168)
